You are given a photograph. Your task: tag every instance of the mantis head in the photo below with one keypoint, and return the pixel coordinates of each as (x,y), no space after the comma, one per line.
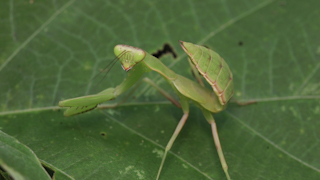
(128,55)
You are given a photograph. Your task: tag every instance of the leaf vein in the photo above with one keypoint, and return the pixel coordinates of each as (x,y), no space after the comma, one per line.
(270,142)
(24,44)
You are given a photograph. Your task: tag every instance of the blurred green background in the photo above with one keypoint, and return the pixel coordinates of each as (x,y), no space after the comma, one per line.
(50,50)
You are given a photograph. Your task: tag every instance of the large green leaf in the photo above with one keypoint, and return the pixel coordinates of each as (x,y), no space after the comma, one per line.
(19,160)
(50,50)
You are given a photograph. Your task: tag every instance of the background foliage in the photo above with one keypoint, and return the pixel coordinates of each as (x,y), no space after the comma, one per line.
(50,50)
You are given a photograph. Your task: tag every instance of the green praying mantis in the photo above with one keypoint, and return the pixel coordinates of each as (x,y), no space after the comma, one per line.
(210,65)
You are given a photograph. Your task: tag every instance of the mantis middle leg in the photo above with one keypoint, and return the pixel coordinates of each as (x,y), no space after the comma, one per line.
(208,115)
(185,107)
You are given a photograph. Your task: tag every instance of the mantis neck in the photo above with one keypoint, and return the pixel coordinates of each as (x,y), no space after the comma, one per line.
(149,63)
(133,76)
(156,65)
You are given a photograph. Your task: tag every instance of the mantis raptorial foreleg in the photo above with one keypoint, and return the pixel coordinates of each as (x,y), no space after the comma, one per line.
(152,84)
(210,65)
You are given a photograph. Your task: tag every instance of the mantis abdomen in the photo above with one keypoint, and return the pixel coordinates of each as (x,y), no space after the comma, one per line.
(213,68)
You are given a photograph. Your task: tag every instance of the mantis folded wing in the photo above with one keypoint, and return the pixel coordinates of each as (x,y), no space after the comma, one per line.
(210,65)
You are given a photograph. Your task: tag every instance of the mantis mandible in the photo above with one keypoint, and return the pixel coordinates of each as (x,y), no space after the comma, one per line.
(210,65)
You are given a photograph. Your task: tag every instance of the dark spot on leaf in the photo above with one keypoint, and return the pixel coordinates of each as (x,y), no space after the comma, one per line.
(103,134)
(167,49)
(61,122)
(267,147)
(240,43)
(49,170)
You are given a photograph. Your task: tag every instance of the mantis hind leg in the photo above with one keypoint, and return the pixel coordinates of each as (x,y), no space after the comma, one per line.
(240,103)
(215,135)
